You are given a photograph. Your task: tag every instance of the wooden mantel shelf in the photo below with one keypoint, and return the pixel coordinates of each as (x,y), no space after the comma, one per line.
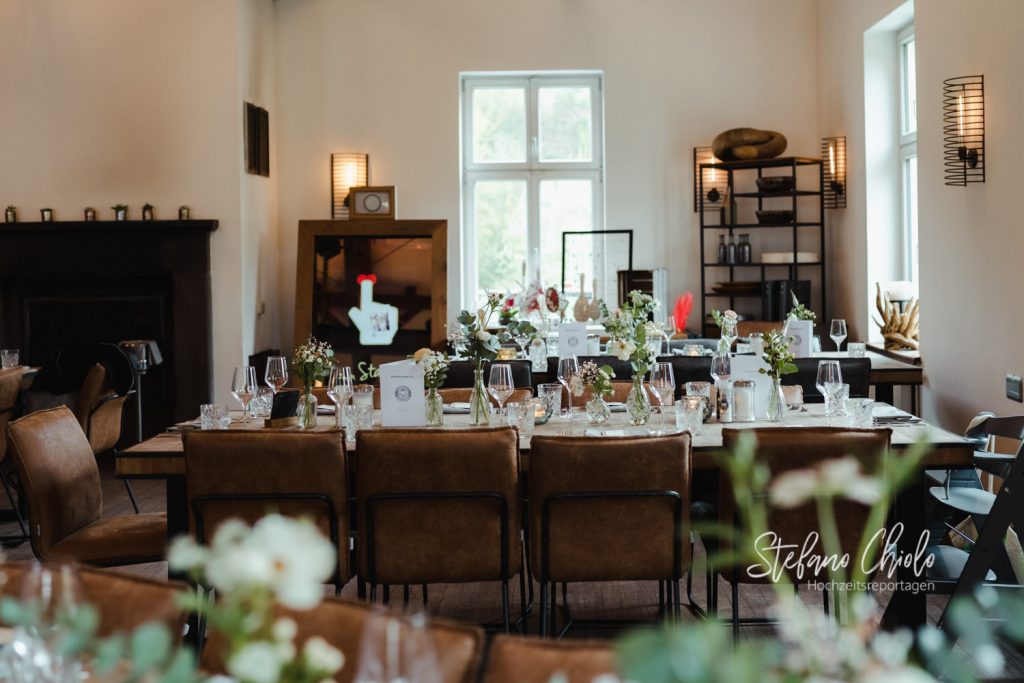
(35,226)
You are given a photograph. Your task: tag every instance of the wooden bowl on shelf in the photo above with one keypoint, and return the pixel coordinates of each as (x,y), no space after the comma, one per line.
(776,183)
(774,217)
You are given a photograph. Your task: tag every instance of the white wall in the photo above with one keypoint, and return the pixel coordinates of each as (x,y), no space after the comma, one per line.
(382,78)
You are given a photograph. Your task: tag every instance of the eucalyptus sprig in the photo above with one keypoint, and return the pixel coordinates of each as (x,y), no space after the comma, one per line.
(777,355)
(799,311)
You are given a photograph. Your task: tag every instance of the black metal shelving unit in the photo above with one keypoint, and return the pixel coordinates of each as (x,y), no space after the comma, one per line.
(798,222)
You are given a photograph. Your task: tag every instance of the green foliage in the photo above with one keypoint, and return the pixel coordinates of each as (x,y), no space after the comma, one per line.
(777,355)
(799,311)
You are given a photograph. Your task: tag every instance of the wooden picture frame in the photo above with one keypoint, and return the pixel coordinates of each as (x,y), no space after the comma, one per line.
(372,202)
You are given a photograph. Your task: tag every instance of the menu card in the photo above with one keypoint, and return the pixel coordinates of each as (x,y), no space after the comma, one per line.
(746,367)
(801,332)
(402,403)
(572,340)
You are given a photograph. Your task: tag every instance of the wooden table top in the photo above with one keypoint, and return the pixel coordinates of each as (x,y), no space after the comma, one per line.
(163,455)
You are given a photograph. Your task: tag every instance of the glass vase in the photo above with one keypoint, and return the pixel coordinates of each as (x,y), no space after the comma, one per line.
(435,408)
(539,355)
(306,411)
(479,404)
(597,410)
(776,402)
(638,403)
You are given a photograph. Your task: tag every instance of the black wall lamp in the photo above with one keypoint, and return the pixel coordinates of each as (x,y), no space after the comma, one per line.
(963,127)
(833,157)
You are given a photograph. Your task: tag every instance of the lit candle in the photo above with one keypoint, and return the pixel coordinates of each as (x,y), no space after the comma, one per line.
(960,117)
(713,171)
(832,160)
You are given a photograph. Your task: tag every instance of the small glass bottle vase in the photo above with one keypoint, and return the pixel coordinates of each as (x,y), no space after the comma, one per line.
(479,404)
(306,411)
(435,408)
(638,404)
(597,410)
(776,402)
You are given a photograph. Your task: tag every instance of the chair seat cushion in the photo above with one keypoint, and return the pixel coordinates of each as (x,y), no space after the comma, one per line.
(111,541)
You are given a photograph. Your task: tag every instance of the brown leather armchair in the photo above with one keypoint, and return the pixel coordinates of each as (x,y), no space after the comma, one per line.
(439,507)
(10,387)
(243,474)
(611,509)
(784,450)
(124,601)
(515,659)
(342,623)
(61,482)
(620,392)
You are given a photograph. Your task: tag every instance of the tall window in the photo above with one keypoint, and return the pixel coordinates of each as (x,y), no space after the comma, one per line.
(908,151)
(532,168)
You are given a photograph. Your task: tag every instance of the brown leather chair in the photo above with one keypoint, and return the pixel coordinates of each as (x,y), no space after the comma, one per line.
(461,395)
(620,392)
(517,659)
(58,473)
(439,507)
(10,387)
(243,474)
(322,399)
(784,450)
(342,623)
(124,601)
(609,509)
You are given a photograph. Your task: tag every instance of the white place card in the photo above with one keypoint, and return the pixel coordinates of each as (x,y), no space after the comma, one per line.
(402,401)
(746,367)
(801,332)
(572,340)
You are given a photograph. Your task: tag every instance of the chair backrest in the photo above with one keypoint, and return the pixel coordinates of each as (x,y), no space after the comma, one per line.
(461,395)
(342,623)
(75,362)
(99,410)
(689,369)
(598,528)
(246,473)
(433,506)
(124,601)
(58,472)
(10,387)
(705,342)
(518,659)
(856,373)
(620,392)
(622,368)
(460,373)
(322,399)
(784,450)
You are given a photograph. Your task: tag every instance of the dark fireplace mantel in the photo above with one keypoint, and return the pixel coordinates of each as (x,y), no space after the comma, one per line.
(69,282)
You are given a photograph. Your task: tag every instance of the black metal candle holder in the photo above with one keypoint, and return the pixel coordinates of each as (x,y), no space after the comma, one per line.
(713,181)
(833,165)
(963,127)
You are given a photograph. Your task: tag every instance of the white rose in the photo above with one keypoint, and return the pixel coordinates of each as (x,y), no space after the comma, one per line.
(256,662)
(301,557)
(322,656)
(185,554)
(483,335)
(794,488)
(284,629)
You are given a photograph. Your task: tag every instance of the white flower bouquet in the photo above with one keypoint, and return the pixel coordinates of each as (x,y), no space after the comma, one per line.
(312,361)
(435,367)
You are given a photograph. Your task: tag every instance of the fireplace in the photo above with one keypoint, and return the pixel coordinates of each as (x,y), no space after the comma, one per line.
(67,283)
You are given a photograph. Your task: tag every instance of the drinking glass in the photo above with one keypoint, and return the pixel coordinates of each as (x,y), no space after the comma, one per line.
(859,410)
(521,341)
(829,382)
(702,389)
(721,367)
(362,396)
(521,416)
(262,402)
(243,387)
(339,389)
(567,369)
(396,648)
(551,395)
(838,332)
(276,375)
(53,594)
(501,385)
(690,414)
(9,358)
(214,416)
(857,349)
(663,385)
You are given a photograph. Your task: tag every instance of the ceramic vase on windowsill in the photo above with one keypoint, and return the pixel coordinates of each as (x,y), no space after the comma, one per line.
(435,408)
(479,404)
(306,412)
(638,404)
(598,411)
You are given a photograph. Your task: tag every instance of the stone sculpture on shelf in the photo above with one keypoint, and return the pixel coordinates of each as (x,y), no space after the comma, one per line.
(743,144)
(899,328)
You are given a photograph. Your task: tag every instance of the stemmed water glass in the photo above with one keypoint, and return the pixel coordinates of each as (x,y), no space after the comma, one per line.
(721,367)
(567,369)
(838,332)
(521,341)
(52,593)
(501,385)
(829,383)
(244,387)
(339,389)
(663,385)
(276,374)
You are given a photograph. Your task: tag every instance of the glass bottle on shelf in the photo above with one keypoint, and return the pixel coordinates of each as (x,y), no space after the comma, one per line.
(744,252)
(721,249)
(730,251)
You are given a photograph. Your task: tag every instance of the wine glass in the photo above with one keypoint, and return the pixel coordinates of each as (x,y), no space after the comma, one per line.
(52,593)
(829,383)
(663,385)
(567,369)
(277,372)
(838,332)
(501,384)
(339,388)
(721,367)
(670,332)
(243,387)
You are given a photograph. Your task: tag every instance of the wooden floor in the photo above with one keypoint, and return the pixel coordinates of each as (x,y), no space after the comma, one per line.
(481,602)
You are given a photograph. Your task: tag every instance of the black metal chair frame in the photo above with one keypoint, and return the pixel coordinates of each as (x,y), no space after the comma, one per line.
(9,487)
(371,541)
(671,583)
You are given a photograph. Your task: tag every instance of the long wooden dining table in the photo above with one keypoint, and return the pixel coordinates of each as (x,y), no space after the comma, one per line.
(163,457)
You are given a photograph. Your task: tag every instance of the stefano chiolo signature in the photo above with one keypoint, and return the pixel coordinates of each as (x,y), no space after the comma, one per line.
(881,555)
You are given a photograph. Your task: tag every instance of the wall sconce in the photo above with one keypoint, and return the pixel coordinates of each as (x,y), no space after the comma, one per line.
(348,170)
(833,156)
(963,127)
(715,181)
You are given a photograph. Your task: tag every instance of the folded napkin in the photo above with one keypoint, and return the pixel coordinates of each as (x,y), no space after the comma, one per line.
(456,408)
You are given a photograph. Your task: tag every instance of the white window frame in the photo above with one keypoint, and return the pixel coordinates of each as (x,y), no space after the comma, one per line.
(533,171)
(908,150)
